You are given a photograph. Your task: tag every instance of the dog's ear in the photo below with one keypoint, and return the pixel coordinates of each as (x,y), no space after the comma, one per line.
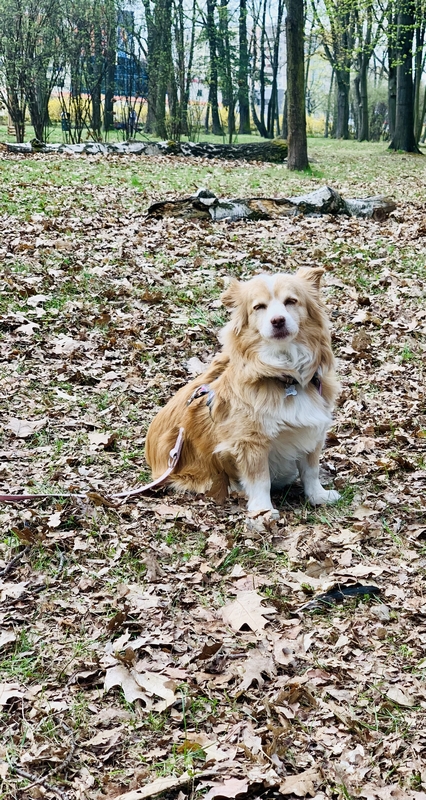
(231,297)
(312,275)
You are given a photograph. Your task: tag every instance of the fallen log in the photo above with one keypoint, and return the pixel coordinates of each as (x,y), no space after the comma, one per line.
(205,205)
(274,150)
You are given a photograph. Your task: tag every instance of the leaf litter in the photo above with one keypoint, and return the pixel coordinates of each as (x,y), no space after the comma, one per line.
(167,633)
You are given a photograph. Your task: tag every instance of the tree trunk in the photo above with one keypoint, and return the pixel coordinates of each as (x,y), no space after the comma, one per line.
(185,102)
(419,64)
(297,142)
(205,205)
(212,37)
(258,121)
(262,79)
(273,102)
(391,100)
(243,68)
(392,57)
(363,132)
(110,67)
(327,114)
(16,107)
(342,124)
(404,138)
(284,131)
(357,105)
(226,67)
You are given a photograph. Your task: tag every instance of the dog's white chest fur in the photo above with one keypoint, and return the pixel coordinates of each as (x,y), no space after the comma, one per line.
(297,429)
(301,410)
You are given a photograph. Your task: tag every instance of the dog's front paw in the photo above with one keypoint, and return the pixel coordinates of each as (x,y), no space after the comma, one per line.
(322,496)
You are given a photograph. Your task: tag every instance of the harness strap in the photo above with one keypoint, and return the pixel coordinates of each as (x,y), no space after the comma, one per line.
(174,456)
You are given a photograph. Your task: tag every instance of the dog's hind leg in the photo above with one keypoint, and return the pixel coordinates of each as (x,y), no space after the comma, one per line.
(309,474)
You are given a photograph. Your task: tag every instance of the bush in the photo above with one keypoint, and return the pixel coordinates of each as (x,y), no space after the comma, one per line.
(315,126)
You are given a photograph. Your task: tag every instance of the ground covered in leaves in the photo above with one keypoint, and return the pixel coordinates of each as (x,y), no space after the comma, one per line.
(161,644)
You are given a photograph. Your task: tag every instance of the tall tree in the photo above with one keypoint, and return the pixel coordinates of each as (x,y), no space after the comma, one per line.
(404,137)
(419,66)
(391,29)
(226,64)
(368,30)
(88,27)
(160,67)
(212,37)
(336,29)
(243,70)
(273,114)
(30,60)
(296,114)
(268,32)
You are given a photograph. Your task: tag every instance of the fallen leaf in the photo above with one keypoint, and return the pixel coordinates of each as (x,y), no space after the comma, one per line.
(141,686)
(170,512)
(9,690)
(363,512)
(158,786)
(101,439)
(305,783)
(104,739)
(13,590)
(213,750)
(65,345)
(231,787)
(28,329)
(23,428)
(6,637)
(256,663)
(398,696)
(195,366)
(247,610)
(54,520)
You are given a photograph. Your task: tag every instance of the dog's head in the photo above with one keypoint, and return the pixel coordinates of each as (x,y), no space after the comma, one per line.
(276,308)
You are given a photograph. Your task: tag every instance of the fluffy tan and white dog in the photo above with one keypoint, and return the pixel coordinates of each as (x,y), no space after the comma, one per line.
(270,394)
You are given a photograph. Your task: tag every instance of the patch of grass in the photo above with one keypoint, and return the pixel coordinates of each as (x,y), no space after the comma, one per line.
(25,661)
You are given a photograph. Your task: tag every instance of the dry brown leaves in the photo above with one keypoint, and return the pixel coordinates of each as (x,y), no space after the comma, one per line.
(165,633)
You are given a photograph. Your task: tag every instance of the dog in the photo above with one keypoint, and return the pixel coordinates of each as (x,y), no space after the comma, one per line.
(257,418)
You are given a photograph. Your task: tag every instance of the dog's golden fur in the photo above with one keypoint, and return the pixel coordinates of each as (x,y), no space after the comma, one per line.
(258,430)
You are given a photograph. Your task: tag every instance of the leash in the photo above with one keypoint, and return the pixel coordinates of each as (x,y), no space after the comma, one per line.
(174,456)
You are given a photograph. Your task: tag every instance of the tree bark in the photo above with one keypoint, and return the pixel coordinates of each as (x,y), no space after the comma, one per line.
(213,87)
(110,67)
(205,205)
(296,114)
(419,66)
(243,68)
(273,102)
(342,123)
(404,138)
(329,98)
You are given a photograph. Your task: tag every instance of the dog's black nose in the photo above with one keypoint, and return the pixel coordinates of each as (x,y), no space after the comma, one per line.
(278,322)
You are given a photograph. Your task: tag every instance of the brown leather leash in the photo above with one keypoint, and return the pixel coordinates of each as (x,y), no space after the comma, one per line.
(174,456)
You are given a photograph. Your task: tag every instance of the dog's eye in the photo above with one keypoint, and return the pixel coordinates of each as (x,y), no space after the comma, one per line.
(259,307)
(291,301)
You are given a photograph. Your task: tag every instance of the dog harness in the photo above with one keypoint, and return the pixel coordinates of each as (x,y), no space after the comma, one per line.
(202,390)
(289,382)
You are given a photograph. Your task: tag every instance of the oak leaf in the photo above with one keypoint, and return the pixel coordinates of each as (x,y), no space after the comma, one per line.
(231,787)
(23,428)
(247,610)
(303,784)
(256,664)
